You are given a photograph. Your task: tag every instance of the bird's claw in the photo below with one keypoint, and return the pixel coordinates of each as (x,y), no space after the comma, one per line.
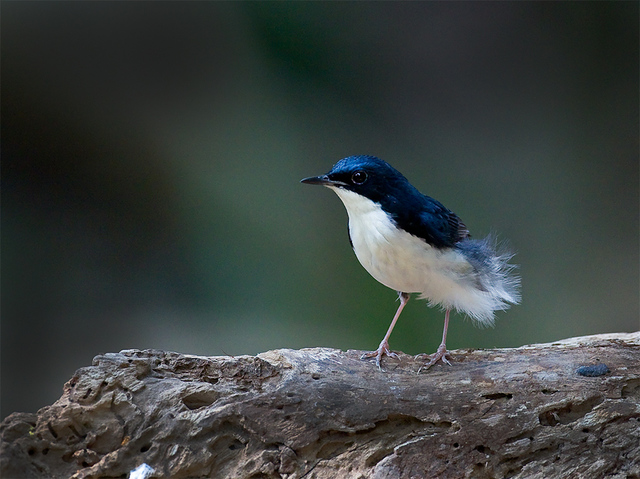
(440,355)
(382,350)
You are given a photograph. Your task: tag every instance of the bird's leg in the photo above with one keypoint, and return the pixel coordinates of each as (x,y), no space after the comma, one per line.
(441,354)
(384,344)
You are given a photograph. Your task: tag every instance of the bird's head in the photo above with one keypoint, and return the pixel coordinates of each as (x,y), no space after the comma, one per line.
(366,176)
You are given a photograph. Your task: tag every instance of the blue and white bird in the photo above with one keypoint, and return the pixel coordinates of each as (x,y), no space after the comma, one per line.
(413,244)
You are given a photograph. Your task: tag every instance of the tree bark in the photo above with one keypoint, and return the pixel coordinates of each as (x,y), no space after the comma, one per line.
(565,409)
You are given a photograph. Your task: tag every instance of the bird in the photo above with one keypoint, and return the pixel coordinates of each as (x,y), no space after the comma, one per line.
(412,243)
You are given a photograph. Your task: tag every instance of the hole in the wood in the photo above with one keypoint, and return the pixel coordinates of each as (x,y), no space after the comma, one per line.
(495,396)
(569,413)
(519,437)
(235,445)
(200,399)
(145,448)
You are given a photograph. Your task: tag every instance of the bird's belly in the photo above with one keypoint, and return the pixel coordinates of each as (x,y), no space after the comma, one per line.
(407,263)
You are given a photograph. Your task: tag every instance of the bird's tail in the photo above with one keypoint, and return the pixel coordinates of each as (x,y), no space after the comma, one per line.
(494,276)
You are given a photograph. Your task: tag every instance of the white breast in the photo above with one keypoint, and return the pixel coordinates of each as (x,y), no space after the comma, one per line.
(409,264)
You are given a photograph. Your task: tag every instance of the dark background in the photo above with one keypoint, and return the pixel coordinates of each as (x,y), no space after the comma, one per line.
(152,152)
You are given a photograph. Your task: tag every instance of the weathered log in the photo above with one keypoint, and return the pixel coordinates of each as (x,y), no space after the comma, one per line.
(324,413)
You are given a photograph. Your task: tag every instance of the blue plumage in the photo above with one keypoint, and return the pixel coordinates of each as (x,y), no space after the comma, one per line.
(418,214)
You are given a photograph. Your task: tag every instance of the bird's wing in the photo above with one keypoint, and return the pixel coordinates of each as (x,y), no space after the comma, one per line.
(434,223)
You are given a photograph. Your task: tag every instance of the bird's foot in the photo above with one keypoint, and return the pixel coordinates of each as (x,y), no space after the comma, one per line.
(382,350)
(440,355)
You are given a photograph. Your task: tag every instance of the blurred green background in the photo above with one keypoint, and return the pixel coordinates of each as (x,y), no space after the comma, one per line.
(152,152)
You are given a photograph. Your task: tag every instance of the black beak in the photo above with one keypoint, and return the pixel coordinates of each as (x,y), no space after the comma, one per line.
(322,180)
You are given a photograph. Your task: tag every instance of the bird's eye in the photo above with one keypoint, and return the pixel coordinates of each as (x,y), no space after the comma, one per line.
(359,177)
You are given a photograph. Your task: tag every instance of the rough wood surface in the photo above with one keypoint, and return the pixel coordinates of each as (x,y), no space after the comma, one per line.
(324,413)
